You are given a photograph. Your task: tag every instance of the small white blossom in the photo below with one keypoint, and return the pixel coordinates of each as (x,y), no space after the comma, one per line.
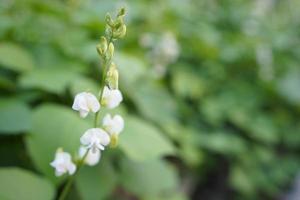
(113,125)
(111,98)
(85,102)
(92,158)
(94,139)
(63,163)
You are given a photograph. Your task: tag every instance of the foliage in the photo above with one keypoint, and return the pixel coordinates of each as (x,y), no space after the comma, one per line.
(219,110)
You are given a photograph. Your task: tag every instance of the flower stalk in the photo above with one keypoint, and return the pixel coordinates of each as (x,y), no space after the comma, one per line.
(94,140)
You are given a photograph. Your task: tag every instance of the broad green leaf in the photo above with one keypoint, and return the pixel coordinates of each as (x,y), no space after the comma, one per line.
(15,57)
(155,103)
(96,182)
(141,141)
(150,178)
(53,126)
(83,84)
(49,79)
(15,116)
(18,183)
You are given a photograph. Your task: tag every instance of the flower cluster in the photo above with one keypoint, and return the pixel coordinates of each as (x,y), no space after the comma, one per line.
(164,50)
(95,140)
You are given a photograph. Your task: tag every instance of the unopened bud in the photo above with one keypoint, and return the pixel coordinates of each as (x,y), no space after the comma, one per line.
(109,20)
(112,77)
(110,52)
(114,140)
(102,47)
(120,32)
(121,12)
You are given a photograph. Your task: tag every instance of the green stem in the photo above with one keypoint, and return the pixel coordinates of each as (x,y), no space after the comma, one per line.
(70,181)
(105,66)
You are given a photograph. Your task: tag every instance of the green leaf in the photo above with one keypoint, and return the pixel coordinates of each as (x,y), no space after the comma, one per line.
(141,141)
(152,99)
(288,86)
(18,183)
(150,178)
(14,57)
(53,127)
(15,116)
(49,79)
(96,182)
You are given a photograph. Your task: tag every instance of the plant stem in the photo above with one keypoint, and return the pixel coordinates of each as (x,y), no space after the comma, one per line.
(106,64)
(70,181)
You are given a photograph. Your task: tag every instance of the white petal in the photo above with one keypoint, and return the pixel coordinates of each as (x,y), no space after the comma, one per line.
(80,102)
(114,99)
(83,113)
(93,103)
(106,120)
(119,123)
(106,92)
(71,168)
(104,137)
(92,158)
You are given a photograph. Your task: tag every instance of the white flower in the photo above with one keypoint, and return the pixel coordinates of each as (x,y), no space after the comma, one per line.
(92,158)
(86,102)
(113,125)
(63,163)
(95,138)
(111,98)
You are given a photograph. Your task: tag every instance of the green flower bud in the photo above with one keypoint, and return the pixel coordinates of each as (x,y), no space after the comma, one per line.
(109,20)
(110,52)
(121,32)
(112,77)
(119,22)
(114,141)
(102,47)
(121,12)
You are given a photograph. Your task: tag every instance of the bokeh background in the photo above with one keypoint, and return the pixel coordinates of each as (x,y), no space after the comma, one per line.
(212,95)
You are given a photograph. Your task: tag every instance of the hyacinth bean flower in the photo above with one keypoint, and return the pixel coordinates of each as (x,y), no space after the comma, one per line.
(95,139)
(85,102)
(111,97)
(63,163)
(113,125)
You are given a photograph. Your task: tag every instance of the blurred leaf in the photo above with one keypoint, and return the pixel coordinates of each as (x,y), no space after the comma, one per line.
(15,116)
(152,99)
(18,183)
(187,83)
(96,182)
(141,141)
(53,126)
(15,57)
(222,142)
(239,179)
(150,178)
(288,86)
(51,80)
(84,84)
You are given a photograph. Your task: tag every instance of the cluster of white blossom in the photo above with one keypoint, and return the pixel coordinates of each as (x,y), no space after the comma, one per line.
(94,140)
(164,50)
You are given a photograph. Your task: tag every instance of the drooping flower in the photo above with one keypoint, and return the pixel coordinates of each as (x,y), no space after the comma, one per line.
(94,139)
(85,102)
(111,97)
(92,158)
(113,125)
(63,163)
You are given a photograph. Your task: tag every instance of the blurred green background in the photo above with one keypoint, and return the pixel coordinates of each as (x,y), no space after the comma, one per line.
(211,88)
